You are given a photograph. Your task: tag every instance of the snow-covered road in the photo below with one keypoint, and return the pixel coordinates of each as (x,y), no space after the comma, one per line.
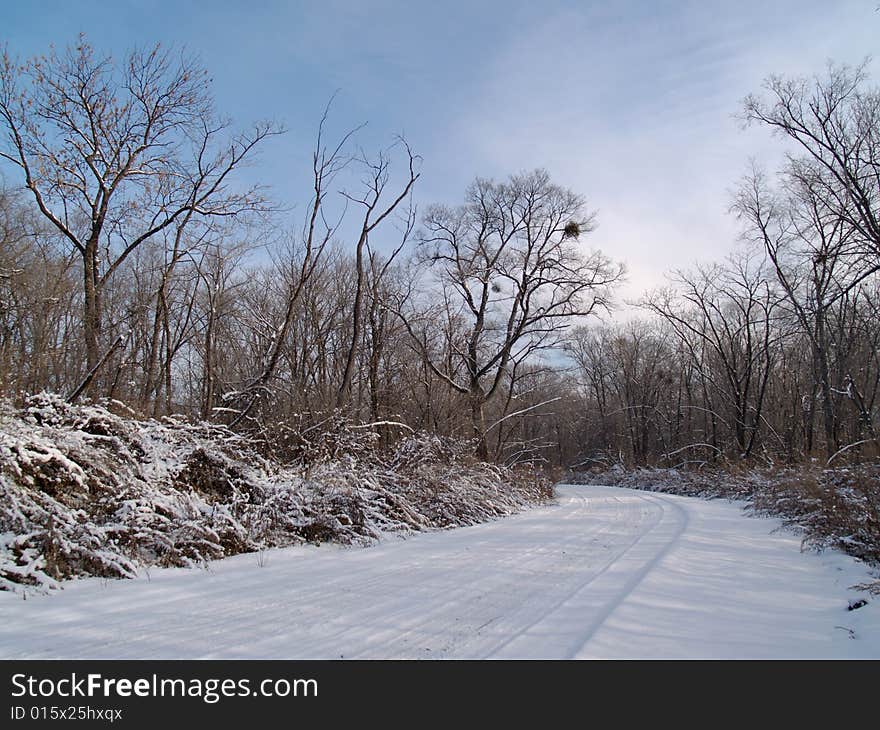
(605,572)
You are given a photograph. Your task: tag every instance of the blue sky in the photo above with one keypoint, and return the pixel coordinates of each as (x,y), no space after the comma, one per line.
(630,103)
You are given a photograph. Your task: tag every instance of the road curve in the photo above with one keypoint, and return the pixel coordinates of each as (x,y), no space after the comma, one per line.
(604,572)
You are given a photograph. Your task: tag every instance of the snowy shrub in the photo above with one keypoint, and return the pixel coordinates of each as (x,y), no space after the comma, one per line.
(90,491)
(836,507)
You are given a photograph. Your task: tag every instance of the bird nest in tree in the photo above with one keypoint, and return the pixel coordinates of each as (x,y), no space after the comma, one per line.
(572,230)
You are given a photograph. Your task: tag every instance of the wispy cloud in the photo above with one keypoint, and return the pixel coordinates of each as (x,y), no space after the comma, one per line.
(637,110)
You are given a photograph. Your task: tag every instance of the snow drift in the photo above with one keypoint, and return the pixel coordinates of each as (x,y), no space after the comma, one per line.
(91,491)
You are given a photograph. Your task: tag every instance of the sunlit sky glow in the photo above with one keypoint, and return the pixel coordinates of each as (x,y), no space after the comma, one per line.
(632,104)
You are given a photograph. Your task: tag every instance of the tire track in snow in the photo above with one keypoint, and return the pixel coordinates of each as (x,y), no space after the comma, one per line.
(568,626)
(640,575)
(450,614)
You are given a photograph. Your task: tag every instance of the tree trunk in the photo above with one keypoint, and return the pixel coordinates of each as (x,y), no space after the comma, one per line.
(208,375)
(92,308)
(829,420)
(478,422)
(151,387)
(348,372)
(378,323)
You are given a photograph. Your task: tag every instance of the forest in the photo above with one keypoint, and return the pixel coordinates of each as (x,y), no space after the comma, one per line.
(139,267)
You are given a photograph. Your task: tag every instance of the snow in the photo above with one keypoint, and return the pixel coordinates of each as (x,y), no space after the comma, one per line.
(605,572)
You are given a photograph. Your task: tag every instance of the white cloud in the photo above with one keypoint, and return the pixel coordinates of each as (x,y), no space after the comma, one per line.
(638,114)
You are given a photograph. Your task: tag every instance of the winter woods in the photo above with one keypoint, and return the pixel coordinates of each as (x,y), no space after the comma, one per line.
(136,264)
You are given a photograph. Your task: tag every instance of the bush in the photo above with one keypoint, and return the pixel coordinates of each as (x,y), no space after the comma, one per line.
(85,491)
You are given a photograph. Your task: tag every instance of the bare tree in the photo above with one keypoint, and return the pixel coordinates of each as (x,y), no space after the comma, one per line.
(809,245)
(725,316)
(216,266)
(115,153)
(375,211)
(834,122)
(511,277)
(38,290)
(300,263)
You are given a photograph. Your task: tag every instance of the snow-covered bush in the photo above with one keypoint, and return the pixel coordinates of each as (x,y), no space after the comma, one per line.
(90,490)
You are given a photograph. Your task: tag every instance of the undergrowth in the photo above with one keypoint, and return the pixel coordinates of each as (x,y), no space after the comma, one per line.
(88,490)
